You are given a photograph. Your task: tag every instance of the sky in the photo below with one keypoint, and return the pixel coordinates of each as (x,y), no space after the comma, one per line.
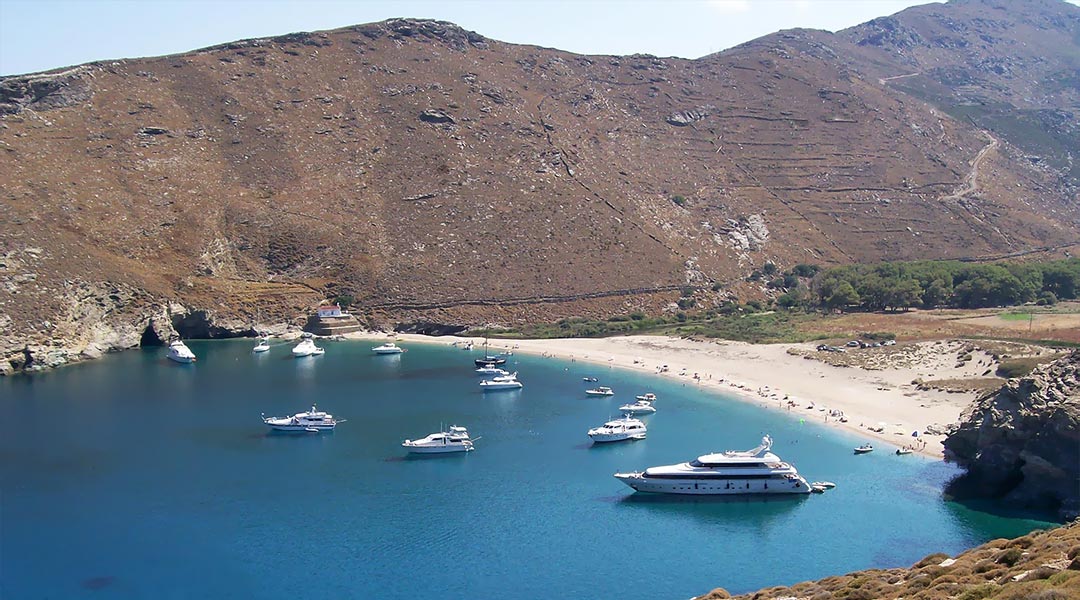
(38,35)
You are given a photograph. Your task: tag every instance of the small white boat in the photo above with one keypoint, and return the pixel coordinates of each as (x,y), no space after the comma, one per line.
(491,371)
(388,348)
(589,379)
(455,440)
(641,407)
(602,390)
(312,421)
(828,485)
(904,450)
(307,347)
(502,382)
(647,397)
(865,448)
(179,352)
(262,346)
(626,428)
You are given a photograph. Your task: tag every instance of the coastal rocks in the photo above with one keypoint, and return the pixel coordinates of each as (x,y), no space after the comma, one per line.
(1022,442)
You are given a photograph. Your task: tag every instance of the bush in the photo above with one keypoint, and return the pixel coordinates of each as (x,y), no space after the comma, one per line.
(677,199)
(1010,557)
(1046,299)
(1017,367)
(986,590)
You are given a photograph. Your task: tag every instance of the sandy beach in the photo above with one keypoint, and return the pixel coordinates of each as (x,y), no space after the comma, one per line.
(882,406)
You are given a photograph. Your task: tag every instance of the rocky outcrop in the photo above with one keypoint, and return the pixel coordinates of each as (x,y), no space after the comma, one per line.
(44,91)
(1022,442)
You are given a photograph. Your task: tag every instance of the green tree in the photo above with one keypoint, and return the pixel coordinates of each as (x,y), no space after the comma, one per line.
(843,295)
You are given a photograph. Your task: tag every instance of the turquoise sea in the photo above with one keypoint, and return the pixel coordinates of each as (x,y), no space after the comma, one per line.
(134,477)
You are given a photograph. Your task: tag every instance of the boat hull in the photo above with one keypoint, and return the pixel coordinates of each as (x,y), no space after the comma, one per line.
(182,359)
(385,352)
(604,438)
(499,387)
(300,428)
(440,449)
(712,487)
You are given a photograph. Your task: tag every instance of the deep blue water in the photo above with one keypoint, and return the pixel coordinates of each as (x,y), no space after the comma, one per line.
(134,477)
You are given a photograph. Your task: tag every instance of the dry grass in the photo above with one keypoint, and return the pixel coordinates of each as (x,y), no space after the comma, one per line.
(1043,565)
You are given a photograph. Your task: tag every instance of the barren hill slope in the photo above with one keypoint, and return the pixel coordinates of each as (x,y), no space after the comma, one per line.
(436,174)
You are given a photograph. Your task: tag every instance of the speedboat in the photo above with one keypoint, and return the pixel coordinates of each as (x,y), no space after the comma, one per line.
(756,471)
(589,379)
(626,428)
(307,347)
(641,407)
(600,391)
(491,371)
(864,448)
(262,346)
(455,440)
(502,382)
(388,348)
(904,450)
(647,397)
(179,352)
(312,421)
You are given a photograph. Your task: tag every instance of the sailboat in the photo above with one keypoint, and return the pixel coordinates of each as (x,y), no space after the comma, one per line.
(490,360)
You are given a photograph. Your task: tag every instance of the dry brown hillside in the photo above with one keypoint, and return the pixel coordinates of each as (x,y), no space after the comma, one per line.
(436,174)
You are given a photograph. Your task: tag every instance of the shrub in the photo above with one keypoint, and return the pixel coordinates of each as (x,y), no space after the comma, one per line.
(933,559)
(1010,557)
(986,590)
(1016,367)
(677,199)
(1046,299)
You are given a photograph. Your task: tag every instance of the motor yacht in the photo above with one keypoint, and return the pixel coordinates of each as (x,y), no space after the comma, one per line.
(502,382)
(307,347)
(455,440)
(602,390)
(491,371)
(626,428)
(647,397)
(641,407)
(312,421)
(388,348)
(262,346)
(756,471)
(179,352)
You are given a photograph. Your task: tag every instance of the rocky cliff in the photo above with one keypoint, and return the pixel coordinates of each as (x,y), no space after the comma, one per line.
(1022,442)
(444,178)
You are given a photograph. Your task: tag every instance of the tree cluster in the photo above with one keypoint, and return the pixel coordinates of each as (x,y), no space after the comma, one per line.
(933,284)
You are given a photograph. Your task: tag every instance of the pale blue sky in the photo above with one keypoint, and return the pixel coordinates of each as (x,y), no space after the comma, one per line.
(37,35)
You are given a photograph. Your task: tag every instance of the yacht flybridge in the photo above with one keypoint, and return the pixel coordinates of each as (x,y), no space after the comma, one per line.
(756,471)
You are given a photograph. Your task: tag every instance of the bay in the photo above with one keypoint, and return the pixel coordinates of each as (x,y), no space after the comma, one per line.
(135,477)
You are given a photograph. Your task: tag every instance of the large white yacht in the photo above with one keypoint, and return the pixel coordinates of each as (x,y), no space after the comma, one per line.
(306,347)
(388,348)
(313,421)
(179,352)
(626,428)
(455,440)
(502,382)
(756,471)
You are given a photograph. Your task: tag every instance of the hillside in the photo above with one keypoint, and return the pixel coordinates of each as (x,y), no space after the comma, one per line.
(1043,565)
(440,176)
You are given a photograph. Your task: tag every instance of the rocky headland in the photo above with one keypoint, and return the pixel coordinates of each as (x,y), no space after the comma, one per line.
(1022,443)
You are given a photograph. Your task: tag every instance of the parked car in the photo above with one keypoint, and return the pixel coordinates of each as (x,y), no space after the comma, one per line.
(888,343)
(853,344)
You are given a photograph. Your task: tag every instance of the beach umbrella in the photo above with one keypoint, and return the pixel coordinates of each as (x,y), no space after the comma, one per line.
(915,433)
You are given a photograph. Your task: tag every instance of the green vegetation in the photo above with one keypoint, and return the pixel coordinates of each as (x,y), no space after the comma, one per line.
(1016,367)
(932,284)
(1023,316)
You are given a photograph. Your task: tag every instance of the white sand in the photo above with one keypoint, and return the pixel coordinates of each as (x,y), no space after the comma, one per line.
(766,374)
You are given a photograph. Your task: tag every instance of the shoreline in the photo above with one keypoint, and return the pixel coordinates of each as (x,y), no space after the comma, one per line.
(765,374)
